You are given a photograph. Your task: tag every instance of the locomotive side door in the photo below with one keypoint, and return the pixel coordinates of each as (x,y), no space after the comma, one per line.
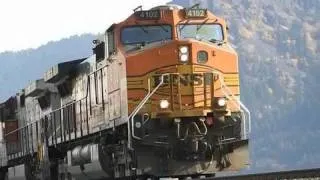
(108,91)
(116,80)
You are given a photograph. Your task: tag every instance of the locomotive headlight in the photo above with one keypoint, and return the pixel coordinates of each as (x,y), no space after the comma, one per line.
(184,49)
(221,102)
(164,104)
(184,53)
(184,57)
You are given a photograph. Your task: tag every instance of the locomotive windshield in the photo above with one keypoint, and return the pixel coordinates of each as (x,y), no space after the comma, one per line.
(143,35)
(207,32)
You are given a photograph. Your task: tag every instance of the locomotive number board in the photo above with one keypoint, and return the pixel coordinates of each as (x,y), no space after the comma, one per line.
(148,15)
(196,13)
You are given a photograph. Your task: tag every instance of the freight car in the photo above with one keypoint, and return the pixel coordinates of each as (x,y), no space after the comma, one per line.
(160,96)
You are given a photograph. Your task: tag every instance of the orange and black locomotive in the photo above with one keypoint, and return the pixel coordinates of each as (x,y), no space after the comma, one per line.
(160,96)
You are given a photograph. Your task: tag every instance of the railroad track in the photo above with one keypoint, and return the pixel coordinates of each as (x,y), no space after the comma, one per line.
(292,174)
(301,174)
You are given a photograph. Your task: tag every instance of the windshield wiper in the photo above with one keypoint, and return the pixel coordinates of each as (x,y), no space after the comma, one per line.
(162,27)
(216,41)
(200,26)
(184,25)
(141,27)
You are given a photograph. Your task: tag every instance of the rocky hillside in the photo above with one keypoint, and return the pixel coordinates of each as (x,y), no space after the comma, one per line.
(279,48)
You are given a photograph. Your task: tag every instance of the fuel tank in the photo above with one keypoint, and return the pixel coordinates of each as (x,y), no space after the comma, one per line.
(84,162)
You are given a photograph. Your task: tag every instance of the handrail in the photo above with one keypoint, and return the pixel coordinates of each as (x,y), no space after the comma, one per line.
(128,124)
(244,109)
(137,109)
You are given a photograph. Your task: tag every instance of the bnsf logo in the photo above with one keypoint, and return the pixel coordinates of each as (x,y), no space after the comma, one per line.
(185,79)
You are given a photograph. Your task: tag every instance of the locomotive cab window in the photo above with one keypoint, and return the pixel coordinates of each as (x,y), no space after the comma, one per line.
(207,32)
(139,36)
(111,43)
